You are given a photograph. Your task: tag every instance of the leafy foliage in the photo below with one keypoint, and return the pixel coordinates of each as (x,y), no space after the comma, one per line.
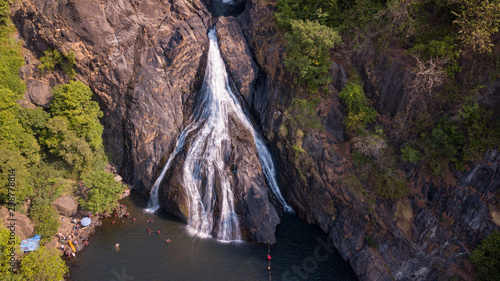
(442,146)
(73,101)
(10,58)
(478,20)
(409,154)
(308,54)
(54,58)
(74,132)
(6,246)
(45,218)
(486,257)
(322,12)
(359,111)
(43,265)
(104,191)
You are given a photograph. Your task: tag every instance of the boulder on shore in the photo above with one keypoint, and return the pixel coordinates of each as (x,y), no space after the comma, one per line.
(65,205)
(23,227)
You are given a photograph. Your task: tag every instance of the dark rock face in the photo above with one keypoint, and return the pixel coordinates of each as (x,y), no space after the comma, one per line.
(142,59)
(236,54)
(419,237)
(145,60)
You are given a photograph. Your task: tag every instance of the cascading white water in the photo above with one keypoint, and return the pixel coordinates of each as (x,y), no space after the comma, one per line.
(154,202)
(204,168)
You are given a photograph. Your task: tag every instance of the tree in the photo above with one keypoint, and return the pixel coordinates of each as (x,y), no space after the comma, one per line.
(322,11)
(45,218)
(486,257)
(477,21)
(43,265)
(73,101)
(104,191)
(308,52)
(359,111)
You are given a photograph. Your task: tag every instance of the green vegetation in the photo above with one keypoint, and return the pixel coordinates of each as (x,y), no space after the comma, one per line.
(486,257)
(43,265)
(46,220)
(371,242)
(310,37)
(409,154)
(104,191)
(50,151)
(54,58)
(478,20)
(6,249)
(308,53)
(359,111)
(74,132)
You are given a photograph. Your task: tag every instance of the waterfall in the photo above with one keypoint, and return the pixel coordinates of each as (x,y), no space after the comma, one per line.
(154,202)
(206,179)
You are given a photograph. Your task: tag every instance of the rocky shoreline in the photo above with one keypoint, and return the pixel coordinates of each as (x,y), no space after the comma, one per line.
(70,216)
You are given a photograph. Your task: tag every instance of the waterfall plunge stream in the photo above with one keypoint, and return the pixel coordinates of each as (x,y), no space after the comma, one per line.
(204,163)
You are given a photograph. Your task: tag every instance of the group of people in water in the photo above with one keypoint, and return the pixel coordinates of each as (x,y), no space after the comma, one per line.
(149,230)
(157,232)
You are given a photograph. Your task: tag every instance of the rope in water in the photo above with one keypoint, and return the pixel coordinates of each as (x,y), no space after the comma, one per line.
(269,258)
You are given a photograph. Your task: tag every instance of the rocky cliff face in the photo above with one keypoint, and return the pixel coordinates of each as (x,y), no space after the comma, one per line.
(145,60)
(142,58)
(426,235)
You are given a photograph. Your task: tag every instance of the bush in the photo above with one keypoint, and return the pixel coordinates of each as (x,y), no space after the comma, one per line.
(359,111)
(481,129)
(370,241)
(486,257)
(33,120)
(308,52)
(390,184)
(442,146)
(10,58)
(12,134)
(43,265)
(478,20)
(104,192)
(409,154)
(302,113)
(73,101)
(53,58)
(74,132)
(45,218)
(4,11)
(48,182)
(11,159)
(323,12)
(6,247)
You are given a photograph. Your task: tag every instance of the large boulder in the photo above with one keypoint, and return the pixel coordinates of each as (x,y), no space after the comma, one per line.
(39,93)
(23,227)
(65,205)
